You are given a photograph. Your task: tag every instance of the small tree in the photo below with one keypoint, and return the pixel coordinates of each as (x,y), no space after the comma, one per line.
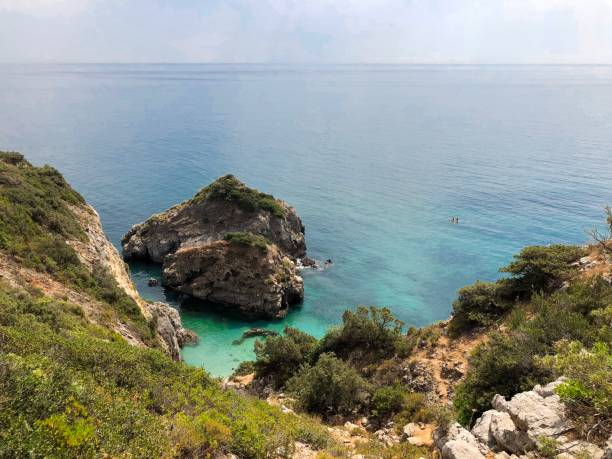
(281,356)
(365,331)
(540,269)
(331,386)
(603,239)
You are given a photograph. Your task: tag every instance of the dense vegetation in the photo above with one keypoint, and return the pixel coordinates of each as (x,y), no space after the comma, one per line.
(555,322)
(556,326)
(229,188)
(36,221)
(536,269)
(335,376)
(73,389)
(253,240)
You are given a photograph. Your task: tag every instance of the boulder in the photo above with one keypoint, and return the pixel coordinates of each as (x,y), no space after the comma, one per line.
(417,435)
(482,429)
(459,449)
(579,449)
(507,436)
(387,437)
(170,329)
(456,433)
(538,416)
(607,451)
(253,280)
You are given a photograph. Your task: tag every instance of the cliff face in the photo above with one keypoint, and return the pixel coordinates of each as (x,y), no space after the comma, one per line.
(225,206)
(258,281)
(230,245)
(98,251)
(53,241)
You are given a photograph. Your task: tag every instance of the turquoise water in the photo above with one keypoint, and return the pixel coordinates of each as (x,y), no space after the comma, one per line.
(374,158)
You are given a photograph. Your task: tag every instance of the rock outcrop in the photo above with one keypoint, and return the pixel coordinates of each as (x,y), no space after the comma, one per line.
(515,428)
(225,206)
(230,245)
(257,281)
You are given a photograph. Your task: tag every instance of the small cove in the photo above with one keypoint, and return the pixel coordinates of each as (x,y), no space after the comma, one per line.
(376,159)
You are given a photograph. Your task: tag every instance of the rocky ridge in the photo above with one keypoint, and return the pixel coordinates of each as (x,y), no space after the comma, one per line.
(516,428)
(230,245)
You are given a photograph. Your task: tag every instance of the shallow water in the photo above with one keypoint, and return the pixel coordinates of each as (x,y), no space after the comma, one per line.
(376,159)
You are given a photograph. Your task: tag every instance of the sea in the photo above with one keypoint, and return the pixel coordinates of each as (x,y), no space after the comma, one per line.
(375,158)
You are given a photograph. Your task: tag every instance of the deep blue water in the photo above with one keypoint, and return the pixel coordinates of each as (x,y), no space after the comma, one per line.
(375,159)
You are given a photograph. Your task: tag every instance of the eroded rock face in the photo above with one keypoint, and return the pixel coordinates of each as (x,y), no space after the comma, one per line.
(536,414)
(230,245)
(259,282)
(208,217)
(170,329)
(97,251)
(515,428)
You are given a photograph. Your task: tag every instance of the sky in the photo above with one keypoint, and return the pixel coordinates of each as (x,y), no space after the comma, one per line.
(307,31)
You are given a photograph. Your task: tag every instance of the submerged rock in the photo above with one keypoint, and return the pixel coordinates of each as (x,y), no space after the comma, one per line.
(230,245)
(252,333)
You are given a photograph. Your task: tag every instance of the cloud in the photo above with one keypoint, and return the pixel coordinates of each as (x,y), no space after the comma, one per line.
(404,31)
(44,7)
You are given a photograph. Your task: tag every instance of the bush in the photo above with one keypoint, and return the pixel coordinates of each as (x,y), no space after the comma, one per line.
(281,356)
(588,389)
(231,189)
(541,268)
(367,332)
(329,387)
(387,401)
(250,239)
(477,305)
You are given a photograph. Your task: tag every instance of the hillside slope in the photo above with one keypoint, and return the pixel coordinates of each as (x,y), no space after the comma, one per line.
(87,367)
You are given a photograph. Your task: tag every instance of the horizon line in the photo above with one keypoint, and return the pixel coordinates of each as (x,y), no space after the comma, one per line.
(458,64)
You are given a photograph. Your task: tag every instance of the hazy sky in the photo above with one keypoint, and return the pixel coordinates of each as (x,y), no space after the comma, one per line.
(346,31)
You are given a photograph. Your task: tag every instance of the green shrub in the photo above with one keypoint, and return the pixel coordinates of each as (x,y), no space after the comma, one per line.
(73,389)
(253,240)
(372,332)
(387,401)
(477,305)
(231,189)
(329,387)
(541,269)
(588,388)
(281,356)
(508,363)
